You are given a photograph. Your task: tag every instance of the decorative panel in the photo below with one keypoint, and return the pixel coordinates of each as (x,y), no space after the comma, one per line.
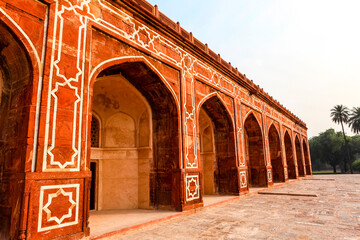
(58,206)
(243,179)
(192,187)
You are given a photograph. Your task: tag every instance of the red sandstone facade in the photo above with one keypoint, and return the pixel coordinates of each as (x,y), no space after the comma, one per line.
(204,128)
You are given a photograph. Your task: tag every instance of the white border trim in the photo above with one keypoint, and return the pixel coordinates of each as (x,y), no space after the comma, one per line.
(41,207)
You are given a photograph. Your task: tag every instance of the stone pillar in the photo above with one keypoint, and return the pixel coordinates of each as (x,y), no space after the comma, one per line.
(243,168)
(294,153)
(267,155)
(191,173)
(58,203)
(302,155)
(283,153)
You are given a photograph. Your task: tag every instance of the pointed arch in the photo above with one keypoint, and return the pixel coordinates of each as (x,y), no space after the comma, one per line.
(130,59)
(19,76)
(138,73)
(290,160)
(29,46)
(252,112)
(275,154)
(307,158)
(211,95)
(223,167)
(255,153)
(299,157)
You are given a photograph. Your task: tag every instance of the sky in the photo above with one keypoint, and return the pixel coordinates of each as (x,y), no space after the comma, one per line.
(304,53)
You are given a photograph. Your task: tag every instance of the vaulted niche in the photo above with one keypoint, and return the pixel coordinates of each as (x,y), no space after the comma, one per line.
(275,155)
(307,159)
(217,146)
(299,157)
(255,152)
(136,155)
(15,99)
(289,156)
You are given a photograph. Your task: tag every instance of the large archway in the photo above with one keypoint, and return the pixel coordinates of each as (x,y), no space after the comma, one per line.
(16,76)
(138,154)
(289,156)
(217,146)
(307,159)
(275,155)
(255,152)
(299,157)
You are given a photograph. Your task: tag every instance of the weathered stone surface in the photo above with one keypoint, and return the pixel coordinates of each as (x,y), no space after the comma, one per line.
(334,214)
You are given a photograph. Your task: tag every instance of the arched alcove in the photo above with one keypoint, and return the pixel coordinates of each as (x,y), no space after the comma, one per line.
(299,157)
(16,87)
(289,156)
(207,154)
(255,152)
(275,155)
(139,154)
(217,148)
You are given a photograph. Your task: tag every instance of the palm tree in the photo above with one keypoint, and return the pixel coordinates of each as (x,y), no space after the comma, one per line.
(340,114)
(354,120)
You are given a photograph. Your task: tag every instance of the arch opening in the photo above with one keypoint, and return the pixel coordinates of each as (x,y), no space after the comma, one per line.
(138,154)
(289,156)
(217,147)
(275,155)
(16,76)
(255,152)
(307,159)
(299,158)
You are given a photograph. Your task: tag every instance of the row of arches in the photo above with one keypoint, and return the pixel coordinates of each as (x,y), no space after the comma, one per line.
(256,160)
(135,119)
(136,150)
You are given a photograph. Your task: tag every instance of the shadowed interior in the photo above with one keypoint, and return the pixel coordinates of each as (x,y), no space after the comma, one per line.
(255,152)
(307,159)
(220,173)
(162,167)
(299,157)
(275,155)
(15,100)
(289,156)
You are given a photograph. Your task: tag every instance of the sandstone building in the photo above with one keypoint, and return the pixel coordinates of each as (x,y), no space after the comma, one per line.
(109,104)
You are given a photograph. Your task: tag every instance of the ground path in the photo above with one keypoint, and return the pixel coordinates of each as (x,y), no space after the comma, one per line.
(333,214)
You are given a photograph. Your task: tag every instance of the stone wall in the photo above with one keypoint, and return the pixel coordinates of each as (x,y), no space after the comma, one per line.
(145,79)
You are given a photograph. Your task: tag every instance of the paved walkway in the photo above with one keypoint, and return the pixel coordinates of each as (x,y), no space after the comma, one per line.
(103,223)
(333,214)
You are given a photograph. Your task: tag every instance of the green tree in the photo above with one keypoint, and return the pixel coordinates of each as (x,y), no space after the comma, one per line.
(354,120)
(315,151)
(327,148)
(354,144)
(356,165)
(340,114)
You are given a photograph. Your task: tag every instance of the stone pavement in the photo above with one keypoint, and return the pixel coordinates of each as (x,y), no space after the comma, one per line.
(333,214)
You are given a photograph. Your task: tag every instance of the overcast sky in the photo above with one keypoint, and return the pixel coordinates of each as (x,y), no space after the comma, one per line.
(304,53)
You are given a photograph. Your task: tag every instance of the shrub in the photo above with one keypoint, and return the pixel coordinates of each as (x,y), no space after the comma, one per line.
(356,165)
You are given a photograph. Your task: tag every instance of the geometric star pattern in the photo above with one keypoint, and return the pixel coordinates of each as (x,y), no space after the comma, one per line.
(50,201)
(61,208)
(192,187)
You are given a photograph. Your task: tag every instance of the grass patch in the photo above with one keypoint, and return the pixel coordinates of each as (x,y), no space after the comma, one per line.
(323,172)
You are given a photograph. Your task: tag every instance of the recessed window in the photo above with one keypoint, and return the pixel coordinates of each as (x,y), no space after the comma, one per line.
(95,132)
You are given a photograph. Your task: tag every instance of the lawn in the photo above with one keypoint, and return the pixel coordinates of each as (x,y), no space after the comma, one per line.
(324,172)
